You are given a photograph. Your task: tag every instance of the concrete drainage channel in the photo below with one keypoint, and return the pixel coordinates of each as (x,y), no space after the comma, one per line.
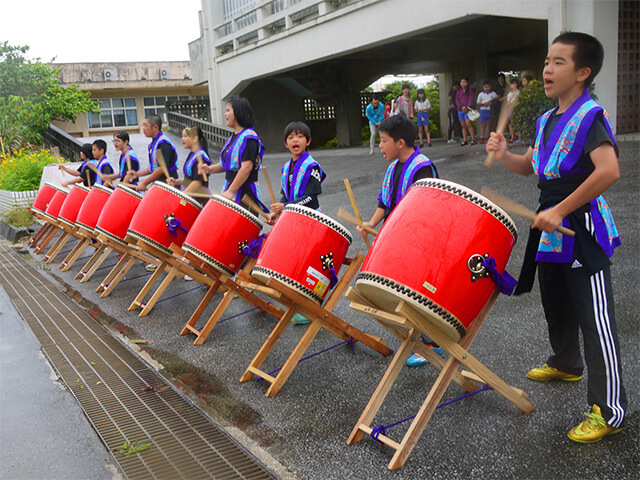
(151,429)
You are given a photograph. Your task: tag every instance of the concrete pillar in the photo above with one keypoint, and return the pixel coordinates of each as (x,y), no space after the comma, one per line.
(274,107)
(348,112)
(600,19)
(445,80)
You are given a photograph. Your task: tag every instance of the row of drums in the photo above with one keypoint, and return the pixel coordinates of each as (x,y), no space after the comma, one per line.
(428,253)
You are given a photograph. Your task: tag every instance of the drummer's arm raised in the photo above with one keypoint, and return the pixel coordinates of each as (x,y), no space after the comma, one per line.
(208,169)
(245,170)
(520,164)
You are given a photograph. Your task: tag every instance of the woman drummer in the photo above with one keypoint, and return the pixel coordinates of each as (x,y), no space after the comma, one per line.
(241,156)
(194,141)
(128,159)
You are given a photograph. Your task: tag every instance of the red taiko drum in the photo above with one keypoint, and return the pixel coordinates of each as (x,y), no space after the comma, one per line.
(220,233)
(55,204)
(117,213)
(92,206)
(164,216)
(301,249)
(430,250)
(44,196)
(72,205)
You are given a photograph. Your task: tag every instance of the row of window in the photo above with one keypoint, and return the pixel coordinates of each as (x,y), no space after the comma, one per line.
(122,112)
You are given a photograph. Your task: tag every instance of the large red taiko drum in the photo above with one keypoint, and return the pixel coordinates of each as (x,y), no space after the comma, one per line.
(55,204)
(164,216)
(301,249)
(72,204)
(429,254)
(220,233)
(44,196)
(117,213)
(92,207)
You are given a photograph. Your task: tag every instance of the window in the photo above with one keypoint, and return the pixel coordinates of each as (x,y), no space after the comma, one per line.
(115,112)
(156,105)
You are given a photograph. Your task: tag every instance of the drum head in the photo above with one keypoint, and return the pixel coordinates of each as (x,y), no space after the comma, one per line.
(386,294)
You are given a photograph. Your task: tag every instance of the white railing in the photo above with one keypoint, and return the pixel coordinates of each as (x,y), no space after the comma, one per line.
(257,20)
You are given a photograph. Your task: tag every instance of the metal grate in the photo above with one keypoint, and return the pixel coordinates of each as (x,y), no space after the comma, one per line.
(124,400)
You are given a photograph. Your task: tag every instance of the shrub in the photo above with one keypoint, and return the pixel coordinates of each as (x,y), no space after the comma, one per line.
(532,103)
(22,171)
(18,217)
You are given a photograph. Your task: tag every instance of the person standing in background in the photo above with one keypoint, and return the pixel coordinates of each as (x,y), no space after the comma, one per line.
(375,113)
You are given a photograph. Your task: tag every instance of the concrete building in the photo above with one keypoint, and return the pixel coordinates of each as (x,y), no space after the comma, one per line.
(127,92)
(281,53)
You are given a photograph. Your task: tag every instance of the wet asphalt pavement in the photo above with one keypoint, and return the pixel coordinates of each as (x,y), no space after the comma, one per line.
(302,431)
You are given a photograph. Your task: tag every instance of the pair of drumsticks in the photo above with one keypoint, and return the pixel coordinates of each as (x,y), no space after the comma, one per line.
(503,202)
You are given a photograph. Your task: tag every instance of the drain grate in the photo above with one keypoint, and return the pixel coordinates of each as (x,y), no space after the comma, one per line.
(124,400)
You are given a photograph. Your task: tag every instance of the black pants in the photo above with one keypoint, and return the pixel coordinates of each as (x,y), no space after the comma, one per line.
(571,298)
(454,124)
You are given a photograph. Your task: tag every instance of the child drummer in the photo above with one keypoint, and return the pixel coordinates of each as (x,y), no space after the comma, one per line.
(576,158)
(397,136)
(301,179)
(302,176)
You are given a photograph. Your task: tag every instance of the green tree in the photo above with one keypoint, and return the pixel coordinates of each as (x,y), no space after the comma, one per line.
(31,97)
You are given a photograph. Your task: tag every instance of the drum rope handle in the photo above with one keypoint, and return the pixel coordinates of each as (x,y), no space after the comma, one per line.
(350,342)
(334,278)
(252,249)
(505,282)
(174,224)
(382,429)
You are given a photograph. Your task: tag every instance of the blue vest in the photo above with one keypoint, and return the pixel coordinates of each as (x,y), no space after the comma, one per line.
(153,153)
(190,169)
(100,166)
(302,169)
(556,159)
(414,163)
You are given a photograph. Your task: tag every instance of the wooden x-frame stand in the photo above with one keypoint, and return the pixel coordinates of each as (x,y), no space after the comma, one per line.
(174,265)
(233,289)
(87,238)
(320,316)
(407,324)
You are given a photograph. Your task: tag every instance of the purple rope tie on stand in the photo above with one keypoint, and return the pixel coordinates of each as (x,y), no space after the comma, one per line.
(382,429)
(505,282)
(173,224)
(252,249)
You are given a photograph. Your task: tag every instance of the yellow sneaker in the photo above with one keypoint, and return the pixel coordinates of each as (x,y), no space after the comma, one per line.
(593,429)
(545,373)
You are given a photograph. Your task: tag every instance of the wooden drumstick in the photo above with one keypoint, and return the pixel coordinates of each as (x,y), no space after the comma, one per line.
(161,163)
(503,121)
(95,170)
(246,199)
(56,154)
(355,208)
(266,177)
(198,195)
(344,215)
(515,208)
(193,134)
(86,172)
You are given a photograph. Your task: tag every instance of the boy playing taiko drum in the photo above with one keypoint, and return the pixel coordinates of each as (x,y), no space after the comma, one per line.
(397,136)
(576,158)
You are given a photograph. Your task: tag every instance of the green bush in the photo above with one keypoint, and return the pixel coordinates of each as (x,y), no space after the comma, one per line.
(22,171)
(532,102)
(18,217)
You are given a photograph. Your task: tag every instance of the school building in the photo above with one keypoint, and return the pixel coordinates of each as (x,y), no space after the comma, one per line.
(127,92)
(291,57)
